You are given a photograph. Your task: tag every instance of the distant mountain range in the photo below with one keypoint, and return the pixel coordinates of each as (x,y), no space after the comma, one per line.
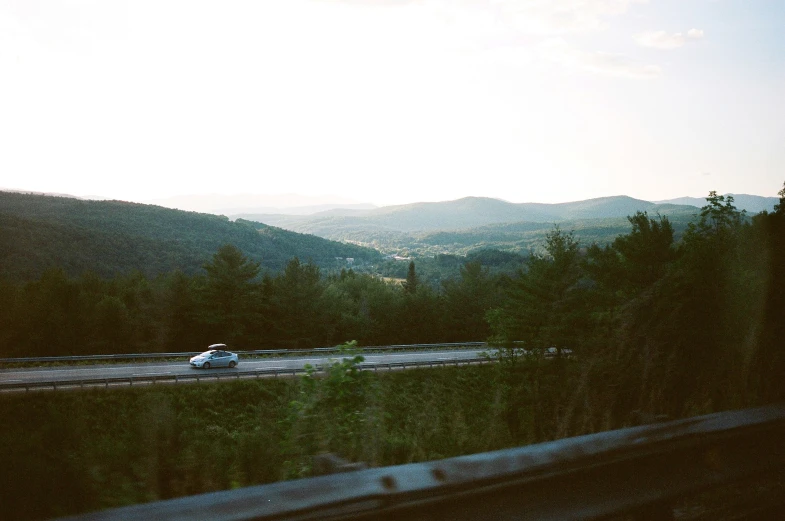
(255,206)
(471,223)
(264,205)
(751,203)
(466,213)
(109,237)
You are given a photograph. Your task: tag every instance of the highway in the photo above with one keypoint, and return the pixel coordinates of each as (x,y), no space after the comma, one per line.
(247,367)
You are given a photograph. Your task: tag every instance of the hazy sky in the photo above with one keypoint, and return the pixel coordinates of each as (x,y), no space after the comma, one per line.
(393,101)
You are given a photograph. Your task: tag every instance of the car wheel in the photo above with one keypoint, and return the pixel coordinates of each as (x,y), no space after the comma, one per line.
(232,364)
(206,365)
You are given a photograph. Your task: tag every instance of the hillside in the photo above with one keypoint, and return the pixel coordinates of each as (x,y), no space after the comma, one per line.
(110,237)
(524,237)
(468,224)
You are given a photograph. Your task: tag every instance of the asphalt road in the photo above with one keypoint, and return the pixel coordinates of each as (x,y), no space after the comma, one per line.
(149,369)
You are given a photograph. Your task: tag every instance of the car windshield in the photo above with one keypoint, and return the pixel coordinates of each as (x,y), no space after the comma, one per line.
(207,353)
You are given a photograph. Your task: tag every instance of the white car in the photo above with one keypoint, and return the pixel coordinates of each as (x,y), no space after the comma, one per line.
(215,356)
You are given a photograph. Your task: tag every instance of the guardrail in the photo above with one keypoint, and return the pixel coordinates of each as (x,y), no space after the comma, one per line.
(638,472)
(258,352)
(217,376)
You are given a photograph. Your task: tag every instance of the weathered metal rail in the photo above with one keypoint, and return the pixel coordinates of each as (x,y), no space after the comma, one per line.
(217,375)
(638,472)
(258,352)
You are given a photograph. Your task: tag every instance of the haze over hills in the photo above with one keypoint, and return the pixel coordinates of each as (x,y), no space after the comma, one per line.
(751,203)
(460,213)
(117,236)
(255,205)
(287,204)
(466,213)
(472,223)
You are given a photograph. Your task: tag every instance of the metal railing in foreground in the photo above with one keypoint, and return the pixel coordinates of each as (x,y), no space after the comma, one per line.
(636,471)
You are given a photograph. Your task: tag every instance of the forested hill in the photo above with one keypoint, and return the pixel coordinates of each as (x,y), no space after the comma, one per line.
(111,237)
(466,213)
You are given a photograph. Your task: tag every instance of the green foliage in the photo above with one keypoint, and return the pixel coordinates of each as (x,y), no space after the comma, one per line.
(655,322)
(75,452)
(684,326)
(467,300)
(461,227)
(545,302)
(669,327)
(70,453)
(329,414)
(112,238)
(298,311)
(779,208)
(410,286)
(230,294)
(634,261)
(718,217)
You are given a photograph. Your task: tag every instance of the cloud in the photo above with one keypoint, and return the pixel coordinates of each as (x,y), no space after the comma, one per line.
(559,51)
(562,16)
(542,17)
(664,40)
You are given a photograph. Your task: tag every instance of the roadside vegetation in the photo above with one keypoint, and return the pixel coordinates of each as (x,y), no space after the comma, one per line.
(656,326)
(73,452)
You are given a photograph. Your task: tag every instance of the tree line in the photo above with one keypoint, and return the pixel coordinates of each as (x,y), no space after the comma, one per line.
(233,302)
(660,327)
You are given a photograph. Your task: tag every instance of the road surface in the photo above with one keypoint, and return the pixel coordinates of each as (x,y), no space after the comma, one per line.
(148,370)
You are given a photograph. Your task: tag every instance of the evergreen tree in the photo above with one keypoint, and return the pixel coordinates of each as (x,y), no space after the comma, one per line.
(112,326)
(183,323)
(297,302)
(230,295)
(779,208)
(53,316)
(544,306)
(635,261)
(467,300)
(410,286)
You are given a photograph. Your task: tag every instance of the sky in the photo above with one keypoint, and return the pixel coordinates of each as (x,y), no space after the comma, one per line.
(393,101)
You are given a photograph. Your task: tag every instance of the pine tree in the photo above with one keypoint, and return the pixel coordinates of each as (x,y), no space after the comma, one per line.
(410,286)
(230,293)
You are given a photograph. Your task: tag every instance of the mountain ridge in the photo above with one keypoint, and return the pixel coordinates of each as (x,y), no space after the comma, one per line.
(111,237)
(464,213)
